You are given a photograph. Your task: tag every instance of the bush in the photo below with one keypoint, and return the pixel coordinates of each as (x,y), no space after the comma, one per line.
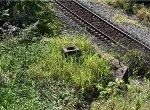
(129,6)
(27,14)
(134,97)
(144,14)
(124,4)
(137,65)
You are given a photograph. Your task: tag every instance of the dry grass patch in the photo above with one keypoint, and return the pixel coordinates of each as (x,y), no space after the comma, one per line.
(123,19)
(140,10)
(144,14)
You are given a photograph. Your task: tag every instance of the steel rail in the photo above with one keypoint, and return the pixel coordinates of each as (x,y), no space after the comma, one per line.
(91,25)
(100,33)
(112,25)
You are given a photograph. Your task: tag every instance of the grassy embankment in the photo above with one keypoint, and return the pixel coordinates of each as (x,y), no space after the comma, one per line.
(34,75)
(37,76)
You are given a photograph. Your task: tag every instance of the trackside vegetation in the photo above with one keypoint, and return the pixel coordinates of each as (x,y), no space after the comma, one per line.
(131,7)
(35,75)
(26,67)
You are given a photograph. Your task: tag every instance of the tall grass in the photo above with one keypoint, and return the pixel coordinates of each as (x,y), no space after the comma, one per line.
(89,68)
(17,91)
(37,76)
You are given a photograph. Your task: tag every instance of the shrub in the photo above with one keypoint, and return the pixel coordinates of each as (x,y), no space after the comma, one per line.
(27,14)
(124,4)
(136,97)
(129,6)
(144,14)
(137,65)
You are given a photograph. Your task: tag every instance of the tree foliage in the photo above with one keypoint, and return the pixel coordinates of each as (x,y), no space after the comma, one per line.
(25,13)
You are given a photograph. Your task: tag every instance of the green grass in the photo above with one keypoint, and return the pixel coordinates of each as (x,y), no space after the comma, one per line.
(83,73)
(17,90)
(137,97)
(123,19)
(34,75)
(37,76)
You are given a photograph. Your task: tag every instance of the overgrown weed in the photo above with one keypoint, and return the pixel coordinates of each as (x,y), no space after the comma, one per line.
(134,97)
(130,7)
(83,74)
(32,73)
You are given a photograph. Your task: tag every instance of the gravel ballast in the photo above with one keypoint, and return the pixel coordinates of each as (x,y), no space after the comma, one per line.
(108,13)
(73,27)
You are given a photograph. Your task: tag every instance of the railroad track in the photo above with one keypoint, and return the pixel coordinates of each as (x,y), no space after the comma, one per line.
(102,29)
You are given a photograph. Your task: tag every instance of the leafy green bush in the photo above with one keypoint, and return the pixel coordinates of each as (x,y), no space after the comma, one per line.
(137,65)
(26,14)
(144,14)
(126,5)
(135,96)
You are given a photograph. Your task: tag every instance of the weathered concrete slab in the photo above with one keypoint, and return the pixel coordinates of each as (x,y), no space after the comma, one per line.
(121,70)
